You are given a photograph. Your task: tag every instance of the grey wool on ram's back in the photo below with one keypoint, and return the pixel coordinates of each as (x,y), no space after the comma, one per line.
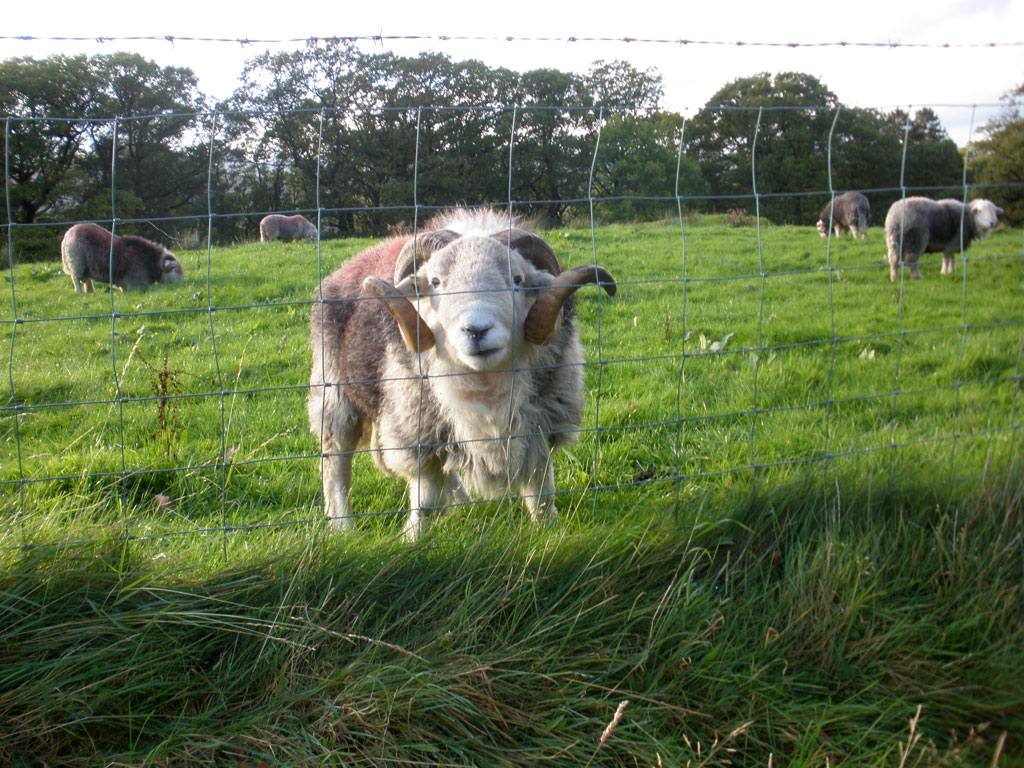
(455,357)
(920,225)
(89,252)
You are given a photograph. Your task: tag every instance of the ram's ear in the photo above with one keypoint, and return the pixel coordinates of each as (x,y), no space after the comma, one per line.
(407,287)
(535,280)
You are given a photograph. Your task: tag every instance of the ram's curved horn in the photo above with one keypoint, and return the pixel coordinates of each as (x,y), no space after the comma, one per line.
(418,249)
(544,319)
(532,247)
(415,333)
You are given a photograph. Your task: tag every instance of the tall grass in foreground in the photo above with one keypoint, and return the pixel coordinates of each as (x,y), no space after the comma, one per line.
(782,633)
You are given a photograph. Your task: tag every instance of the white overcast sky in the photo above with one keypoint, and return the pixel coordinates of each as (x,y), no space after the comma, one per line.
(957,82)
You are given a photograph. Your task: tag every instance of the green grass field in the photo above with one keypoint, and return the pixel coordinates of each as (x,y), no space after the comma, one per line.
(793,518)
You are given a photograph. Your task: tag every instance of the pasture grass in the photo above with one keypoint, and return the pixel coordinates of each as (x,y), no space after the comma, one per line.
(793,518)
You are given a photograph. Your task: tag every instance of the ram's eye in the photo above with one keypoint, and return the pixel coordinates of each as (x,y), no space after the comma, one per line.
(435,281)
(518,279)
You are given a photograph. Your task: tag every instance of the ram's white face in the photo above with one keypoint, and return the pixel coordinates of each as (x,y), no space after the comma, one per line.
(986,216)
(474,295)
(171,270)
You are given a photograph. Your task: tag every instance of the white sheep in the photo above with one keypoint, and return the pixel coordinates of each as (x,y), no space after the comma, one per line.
(921,225)
(454,356)
(296,227)
(89,252)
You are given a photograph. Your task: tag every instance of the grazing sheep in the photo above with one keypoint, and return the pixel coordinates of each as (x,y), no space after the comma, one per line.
(922,225)
(295,227)
(848,212)
(85,254)
(454,356)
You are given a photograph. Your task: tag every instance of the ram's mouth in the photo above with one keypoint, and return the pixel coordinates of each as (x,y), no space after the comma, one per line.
(484,359)
(485,352)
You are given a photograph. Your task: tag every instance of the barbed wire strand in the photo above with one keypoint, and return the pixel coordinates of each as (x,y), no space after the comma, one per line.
(603,40)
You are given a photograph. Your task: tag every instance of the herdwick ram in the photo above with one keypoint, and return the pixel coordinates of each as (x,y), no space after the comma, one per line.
(922,225)
(86,251)
(296,227)
(848,212)
(454,355)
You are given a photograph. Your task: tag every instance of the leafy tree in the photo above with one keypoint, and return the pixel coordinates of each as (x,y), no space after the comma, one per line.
(868,155)
(637,162)
(161,163)
(800,121)
(791,114)
(999,158)
(445,139)
(273,124)
(552,153)
(61,114)
(44,103)
(424,129)
(932,164)
(866,151)
(619,84)
(376,110)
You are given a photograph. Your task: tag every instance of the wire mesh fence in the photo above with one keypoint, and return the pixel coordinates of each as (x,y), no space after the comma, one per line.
(738,350)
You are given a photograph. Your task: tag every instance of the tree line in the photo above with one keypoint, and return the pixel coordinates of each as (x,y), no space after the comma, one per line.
(366,137)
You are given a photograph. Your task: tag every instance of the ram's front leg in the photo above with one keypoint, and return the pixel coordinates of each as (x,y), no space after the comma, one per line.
(427,492)
(456,489)
(336,472)
(539,494)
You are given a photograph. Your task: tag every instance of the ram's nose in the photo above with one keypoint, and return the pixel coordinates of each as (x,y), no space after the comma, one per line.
(477,333)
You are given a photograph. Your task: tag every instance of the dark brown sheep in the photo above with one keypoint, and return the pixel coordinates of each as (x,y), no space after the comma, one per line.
(86,252)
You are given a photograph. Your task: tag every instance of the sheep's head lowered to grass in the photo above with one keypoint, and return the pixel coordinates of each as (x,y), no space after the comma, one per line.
(471,377)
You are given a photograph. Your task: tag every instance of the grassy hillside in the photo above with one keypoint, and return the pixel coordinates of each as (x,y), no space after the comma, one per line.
(793,517)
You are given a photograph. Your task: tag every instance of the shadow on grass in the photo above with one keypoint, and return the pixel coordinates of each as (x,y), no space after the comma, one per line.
(792,628)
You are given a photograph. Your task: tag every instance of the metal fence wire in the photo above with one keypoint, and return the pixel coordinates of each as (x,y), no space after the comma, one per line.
(180,410)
